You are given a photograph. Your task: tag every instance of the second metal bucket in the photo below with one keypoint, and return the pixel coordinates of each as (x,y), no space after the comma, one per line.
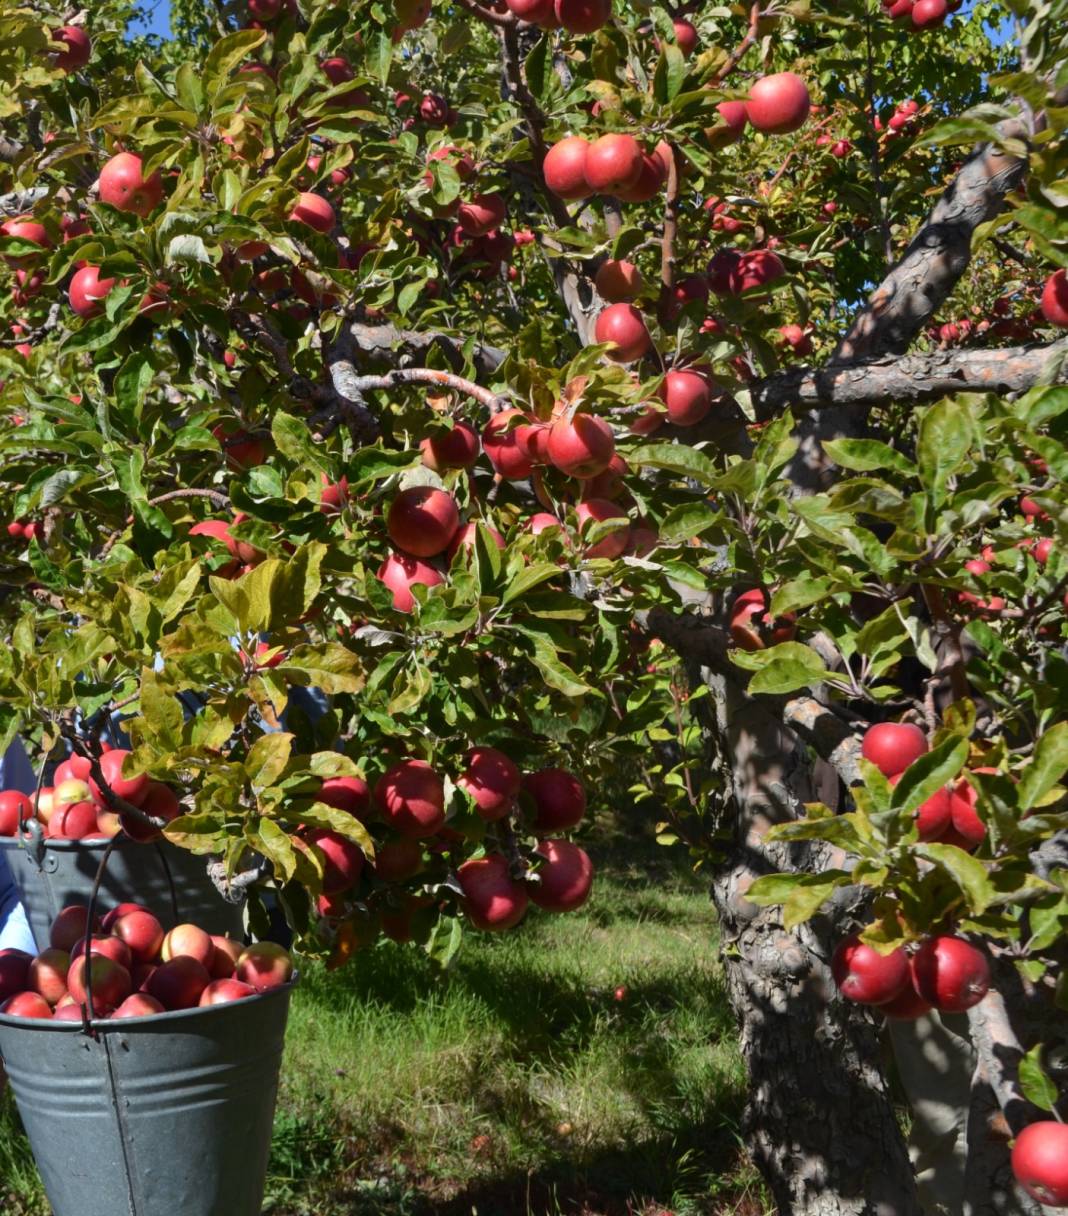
(160,1116)
(51,873)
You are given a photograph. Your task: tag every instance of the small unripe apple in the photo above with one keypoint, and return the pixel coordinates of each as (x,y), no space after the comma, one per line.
(123,186)
(778,104)
(893,746)
(492,899)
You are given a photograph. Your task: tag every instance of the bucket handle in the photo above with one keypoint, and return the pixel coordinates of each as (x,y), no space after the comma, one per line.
(88,1013)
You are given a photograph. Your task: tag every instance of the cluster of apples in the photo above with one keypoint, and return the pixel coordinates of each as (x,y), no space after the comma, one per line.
(74,807)
(921,14)
(949,816)
(409,799)
(19,530)
(575,16)
(133,968)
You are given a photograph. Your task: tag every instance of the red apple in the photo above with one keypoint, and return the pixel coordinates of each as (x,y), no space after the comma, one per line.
(138,1005)
(225,956)
(492,899)
(566,876)
(73,821)
(189,940)
(564,168)
(465,538)
(613,162)
(142,933)
(503,446)
(599,510)
(342,859)
(14,808)
(1055,299)
(685,36)
(107,947)
(26,1005)
(454,449)
(160,802)
(481,214)
(536,11)
(950,973)
(399,573)
(264,965)
(14,971)
(559,799)
(907,1006)
(864,975)
(79,48)
(422,520)
(69,927)
(618,282)
(1040,1162)
(123,187)
(112,917)
(399,859)
(110,981)
(778,104)
(350,794)
(411,798)
(623,326)
(492,780)
(751,625)
(893,746)
(178,983)
(582,16)
(926,14)
(132,789)
(88,291)
(650,180)
(220,992)
(581,446)
(687,395)
(315,211)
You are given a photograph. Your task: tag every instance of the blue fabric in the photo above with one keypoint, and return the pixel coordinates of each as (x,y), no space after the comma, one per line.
(16,773)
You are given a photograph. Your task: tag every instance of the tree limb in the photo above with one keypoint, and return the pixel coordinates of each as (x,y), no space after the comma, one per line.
(351,385)
(999,1055)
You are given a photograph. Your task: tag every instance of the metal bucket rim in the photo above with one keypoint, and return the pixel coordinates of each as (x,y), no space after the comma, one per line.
(122,1025)
(62,844)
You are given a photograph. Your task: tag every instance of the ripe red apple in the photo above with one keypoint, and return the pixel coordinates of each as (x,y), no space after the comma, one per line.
(14,971)
(967,830)
(864,975)
(79,48)
(1040,1162)
(72,1012)
(106,946)
(26,1005)
(907,1006)
(142,933)
(613,162)
(564,168)
(264,965)
(112,917)
(242,450)
(189,940)
(933,817)
(731,126)
(159,801)
(399,859)
(350,794)
(751,625)
(315,211)
(622,325)
(536,11)
(583,16)
(893,746)
(950,973)
(123,187)
(481,214)
(559,799)
(342,859)
(493,900)
(503,446)
(220,992)
(178,983)
(650,180)
(926,14)
(566,876)
(492,780)
(1055,299)
(618,282)
(778,104)
(264,10)
(399,573)
(14,808)
(69,927)
(685,36)
(581,446)
(422,520)
(110,981)
(26,229)
(599,510)
(687,395)
(138,1005)
(465,538)
(224,959)
(796,339)
(455,449)
(411,14)
(132,789)
(411,798)
(73,821)
(88,291)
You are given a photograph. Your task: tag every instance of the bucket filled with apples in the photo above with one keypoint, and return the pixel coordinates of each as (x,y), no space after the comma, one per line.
(145,1063)
(55,840)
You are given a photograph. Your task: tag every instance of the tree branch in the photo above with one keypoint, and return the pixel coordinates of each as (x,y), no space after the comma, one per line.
(735,57)
(385,341)
(351,385)
(999,1055)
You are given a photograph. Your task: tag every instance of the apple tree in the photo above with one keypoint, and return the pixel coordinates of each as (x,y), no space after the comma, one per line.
(419,415)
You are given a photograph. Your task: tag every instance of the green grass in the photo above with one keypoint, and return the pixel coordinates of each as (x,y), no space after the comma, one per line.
(518,1086)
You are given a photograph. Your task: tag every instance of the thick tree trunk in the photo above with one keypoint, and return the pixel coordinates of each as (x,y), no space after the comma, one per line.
(820,1122)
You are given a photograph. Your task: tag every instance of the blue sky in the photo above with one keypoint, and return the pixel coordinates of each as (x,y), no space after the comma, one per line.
(159,21)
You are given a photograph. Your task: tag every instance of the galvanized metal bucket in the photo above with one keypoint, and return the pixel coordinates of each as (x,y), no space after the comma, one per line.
(50,874)
(160,1116)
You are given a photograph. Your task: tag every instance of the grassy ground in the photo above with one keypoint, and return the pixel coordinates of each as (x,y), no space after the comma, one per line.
(523,1085)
